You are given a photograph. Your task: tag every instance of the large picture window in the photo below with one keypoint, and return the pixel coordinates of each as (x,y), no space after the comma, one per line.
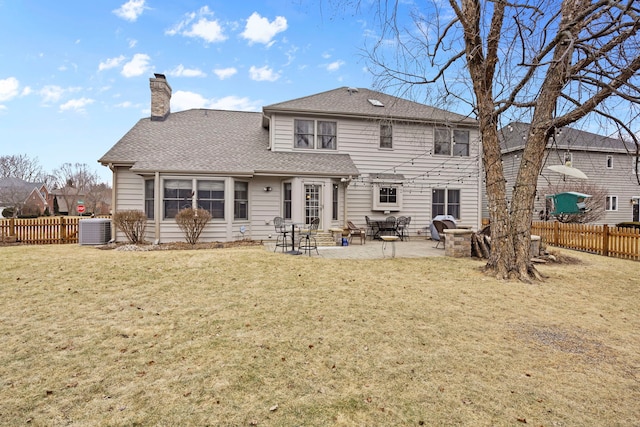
(445,202)
(241,200)
(211,197)
(447,142)
(319,135)
(177,196)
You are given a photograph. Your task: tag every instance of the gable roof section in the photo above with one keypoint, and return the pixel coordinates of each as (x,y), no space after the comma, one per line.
(355,102)
(216,142)
(513,138)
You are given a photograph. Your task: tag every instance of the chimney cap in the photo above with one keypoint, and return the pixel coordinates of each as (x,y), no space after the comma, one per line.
(160,76)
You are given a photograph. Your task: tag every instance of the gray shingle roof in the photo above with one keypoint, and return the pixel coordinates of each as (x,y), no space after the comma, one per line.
(349,102)
(216,141)
(513,138)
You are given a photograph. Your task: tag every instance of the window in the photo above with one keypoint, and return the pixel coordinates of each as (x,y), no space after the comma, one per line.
(241,200)
(327,135)
(177,196)
(211,197)
(387,197)
(334,205)
(635,165)
(460,143)
(305,134)
(609,162)
(386,132)
(568,158)
(446,142)
(445,202)
(286,201)
(611,203)
(149,198)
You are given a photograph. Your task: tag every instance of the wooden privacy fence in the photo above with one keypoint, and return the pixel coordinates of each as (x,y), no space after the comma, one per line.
(599,239)
(39,231)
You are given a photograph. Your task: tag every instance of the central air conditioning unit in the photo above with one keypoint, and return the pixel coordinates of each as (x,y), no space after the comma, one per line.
(94,231)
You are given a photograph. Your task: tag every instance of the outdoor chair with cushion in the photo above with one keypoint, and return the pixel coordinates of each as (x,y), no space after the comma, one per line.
(282,238)
(440,226)
(358,232)
(307,240)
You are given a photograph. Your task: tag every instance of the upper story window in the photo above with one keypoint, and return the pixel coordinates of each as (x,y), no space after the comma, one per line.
(386,136)
(611,203)
(609,161)
(448,142)
(635,165)
(315,134)
(568,158)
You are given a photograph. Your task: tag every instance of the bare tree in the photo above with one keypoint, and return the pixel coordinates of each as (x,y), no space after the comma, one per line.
(21,167)
(595,204)
(73,182)
(551,63)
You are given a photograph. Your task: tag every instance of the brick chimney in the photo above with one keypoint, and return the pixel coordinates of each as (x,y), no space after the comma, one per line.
(160,97)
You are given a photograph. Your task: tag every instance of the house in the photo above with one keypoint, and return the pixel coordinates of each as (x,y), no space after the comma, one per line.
(30,198)
(337,155)
(608,163)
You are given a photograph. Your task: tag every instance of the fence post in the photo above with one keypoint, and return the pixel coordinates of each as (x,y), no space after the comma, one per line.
(12,227)
(63,230)
(605,240)
(556,233)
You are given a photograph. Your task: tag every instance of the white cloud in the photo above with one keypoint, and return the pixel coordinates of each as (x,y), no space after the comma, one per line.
(182,100)
(138,65)
(76,104)
(225,73)
(335,66)
(26,91)
(209,30)
(111,63)
(132,43)
(51,93)
(131,10)
(8,88)
(260,30)
(263,74)
(180,71)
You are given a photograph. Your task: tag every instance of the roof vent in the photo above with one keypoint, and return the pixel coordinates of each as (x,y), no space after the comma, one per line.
(376,103)
(352,90)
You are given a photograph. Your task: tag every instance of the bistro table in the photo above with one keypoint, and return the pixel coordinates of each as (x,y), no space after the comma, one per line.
(387,239)
(293,250)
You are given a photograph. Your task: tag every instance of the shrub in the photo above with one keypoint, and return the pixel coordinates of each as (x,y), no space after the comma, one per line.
(192,222)
(132,223)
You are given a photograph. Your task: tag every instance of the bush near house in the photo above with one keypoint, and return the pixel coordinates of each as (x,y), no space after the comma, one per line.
(132,223)
(192,222)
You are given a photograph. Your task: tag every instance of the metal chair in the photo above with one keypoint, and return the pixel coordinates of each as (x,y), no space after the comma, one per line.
(371,232)
(282,234)
(309,237)
(401,228)
(389,226)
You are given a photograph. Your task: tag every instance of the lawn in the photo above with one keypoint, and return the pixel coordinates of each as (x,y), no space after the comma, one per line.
(244,337)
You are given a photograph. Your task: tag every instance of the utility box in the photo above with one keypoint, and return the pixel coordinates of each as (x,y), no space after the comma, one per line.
(570,202)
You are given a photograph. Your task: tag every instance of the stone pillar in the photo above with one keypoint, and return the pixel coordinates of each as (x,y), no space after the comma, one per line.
(457,242)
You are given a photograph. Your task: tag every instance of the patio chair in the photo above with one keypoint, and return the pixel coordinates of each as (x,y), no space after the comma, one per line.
(371,231)
(309,237)
(358,232)
(440,226)
(282,234)
(402,228)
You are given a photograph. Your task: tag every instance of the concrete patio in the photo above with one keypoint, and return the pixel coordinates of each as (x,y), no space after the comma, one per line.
(373,249)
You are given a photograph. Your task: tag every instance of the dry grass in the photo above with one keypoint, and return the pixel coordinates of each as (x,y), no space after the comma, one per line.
(245,337)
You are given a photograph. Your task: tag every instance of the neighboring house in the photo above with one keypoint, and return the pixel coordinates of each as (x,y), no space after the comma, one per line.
(609,164)
(31,197)
(336,155)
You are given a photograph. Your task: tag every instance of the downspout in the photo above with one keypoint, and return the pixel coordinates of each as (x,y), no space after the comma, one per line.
(113,200)
(156,207)
(346,182)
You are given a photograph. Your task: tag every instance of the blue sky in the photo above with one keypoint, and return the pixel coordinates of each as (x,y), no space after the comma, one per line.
(74,74)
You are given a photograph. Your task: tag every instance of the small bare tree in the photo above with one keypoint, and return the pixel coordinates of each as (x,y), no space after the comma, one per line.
(132,223)
(192,222)
(595,204)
